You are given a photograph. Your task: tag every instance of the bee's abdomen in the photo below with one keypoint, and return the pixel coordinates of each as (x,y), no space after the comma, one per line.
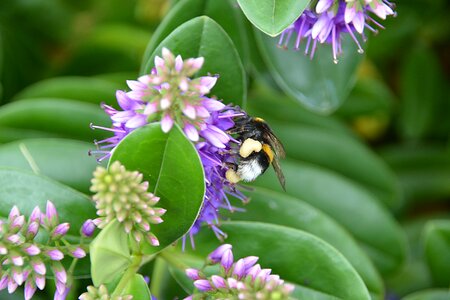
(253,166)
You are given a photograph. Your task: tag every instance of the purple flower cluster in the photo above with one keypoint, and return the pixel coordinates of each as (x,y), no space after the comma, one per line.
(23,260)
(243,279)
(170,95)
(329,20)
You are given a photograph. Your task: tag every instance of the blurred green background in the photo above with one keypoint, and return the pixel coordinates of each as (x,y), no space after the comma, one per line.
(388,142)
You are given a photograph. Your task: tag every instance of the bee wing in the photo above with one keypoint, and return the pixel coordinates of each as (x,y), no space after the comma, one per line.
(276,145)
(280,175)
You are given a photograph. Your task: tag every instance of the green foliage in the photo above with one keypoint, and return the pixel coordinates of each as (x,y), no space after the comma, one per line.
(272,16)
(317,269)
(319,84)
(109,253)
(437,250)
(202,36)
(27,190)
(63,160)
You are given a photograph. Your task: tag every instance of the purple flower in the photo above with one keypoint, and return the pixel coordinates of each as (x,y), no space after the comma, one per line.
(60,230)
(170,95)
(242,278)
(88,228)
(55,254)
(330,20)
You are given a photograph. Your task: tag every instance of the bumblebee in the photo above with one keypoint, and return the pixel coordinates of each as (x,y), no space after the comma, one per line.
(259,148)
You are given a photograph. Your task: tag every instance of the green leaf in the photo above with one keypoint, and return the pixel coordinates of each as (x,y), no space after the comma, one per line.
(85,89)
(423,171)
(274,106)
(66,161)
(172,167)
(329,150)
(203,37)
(223,12)
(437,250)
(27,190)
(272,16)
(432,294)
(138,288)
(293,212)
(319,84)
(58,117)
(350,205)
(109,253)
(295,255)
(420,95)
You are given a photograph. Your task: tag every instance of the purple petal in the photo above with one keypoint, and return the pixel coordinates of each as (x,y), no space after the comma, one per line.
(35,215)
(166,123)
(136,121)
(349,14)
(14,212)
(159,62)
(78,253)
(32,250)
(189,111)
(323,5)
(55,254)
(208,82)
(39,267)
(51,213)
(193,274)
(203,285)
(358,22)
(88,228)
(136,85)
(249,261)
(30,289)
(227,259)
(213,105)
(202,112)
(178,63)
(40,282)
(217,254)
(218,282)
(239,268)
(191,132)
(61,229)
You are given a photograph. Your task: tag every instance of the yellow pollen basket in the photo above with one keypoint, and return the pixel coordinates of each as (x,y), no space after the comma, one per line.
(266,148)
(259,119)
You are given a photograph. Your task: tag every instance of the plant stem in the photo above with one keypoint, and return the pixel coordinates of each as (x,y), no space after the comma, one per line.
(128,275)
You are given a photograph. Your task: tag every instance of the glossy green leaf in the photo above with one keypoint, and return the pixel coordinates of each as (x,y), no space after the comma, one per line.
(138,288)
(27,190)
(350,205)
(85,89)
(172,167)
(203,37)
(60,117)
(272,16)
(432,294)
(223,12)
(319,84)
(326,149)
(293,212)
(423,171)
(437,250)
(66,161)
(421,95)
(370,96)
(274,106)
(109,253)
(295,255)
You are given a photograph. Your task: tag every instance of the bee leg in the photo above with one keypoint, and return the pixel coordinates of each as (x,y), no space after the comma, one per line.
(232,176)
(249,146)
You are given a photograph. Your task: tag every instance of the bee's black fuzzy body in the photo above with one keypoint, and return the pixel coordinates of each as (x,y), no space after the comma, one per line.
(259,148)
